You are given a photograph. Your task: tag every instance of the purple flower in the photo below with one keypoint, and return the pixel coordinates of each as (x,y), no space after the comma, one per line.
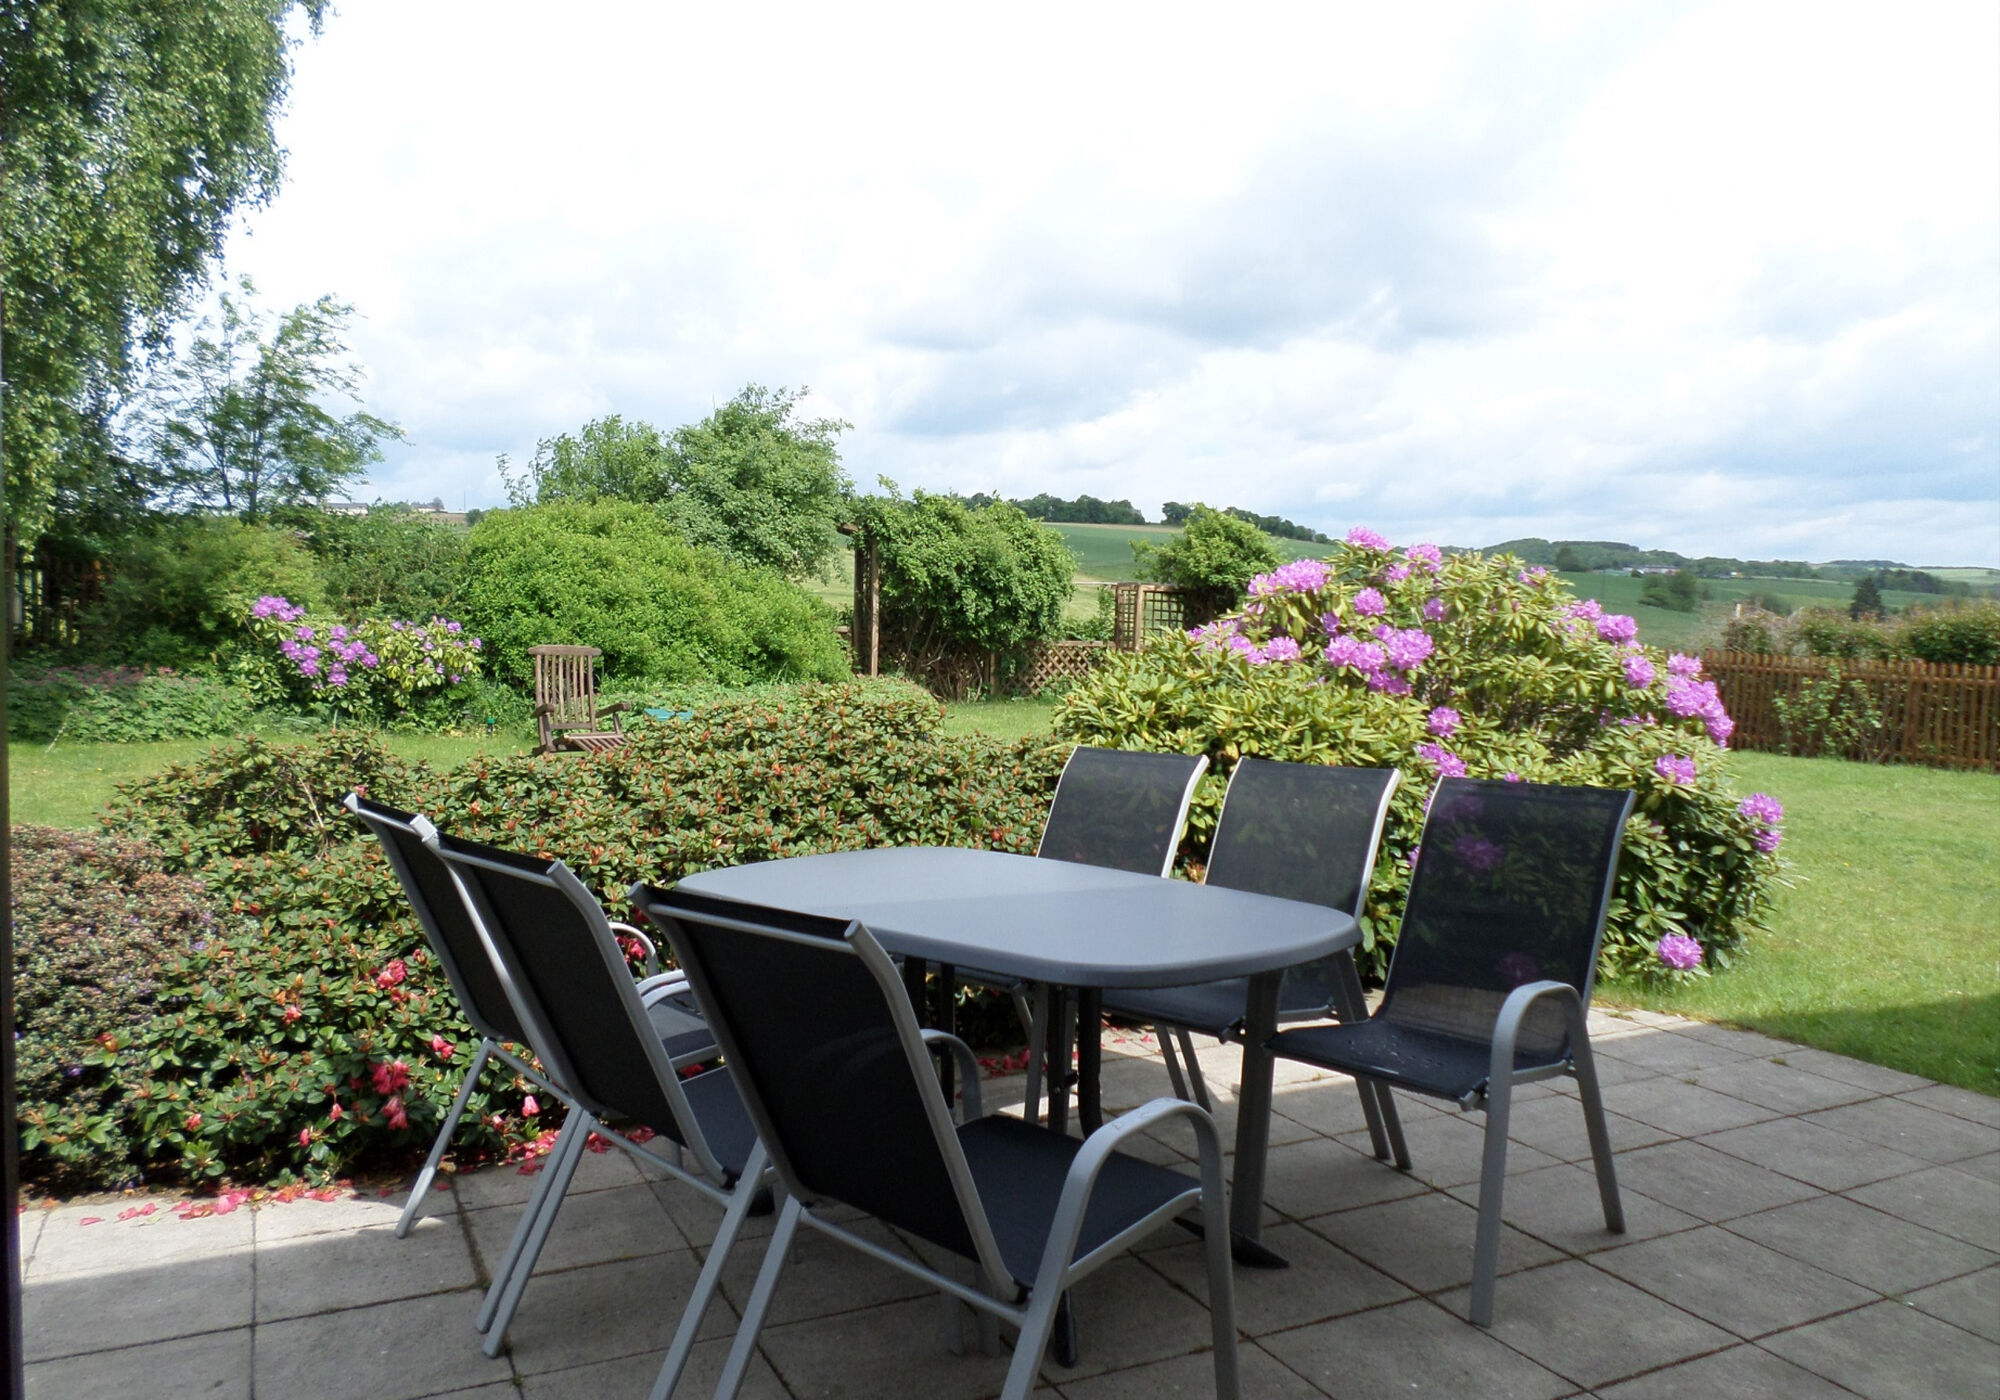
(1396,573)
(1330,622)
(1616,627)
(1246,648)
(1370,603)
(1534,576)
(1510,777)
(370,660)
(1361,537)
(1429,555)
(1407,648)
(1355,653)
(1386,682)
(453,627)
(398,626)
(1299,576)
(1762,807)
(1638,671)
(1720,726)
(1447,763)
(336,677)
(309,666)
(304,634)
(1589,610)
(1478,854)
(1210,637)
(1444,721)
(475,644)
(1281,649)
(1679,952)
(1682,665)
(1687,698)
(1675,768)
(1434,610)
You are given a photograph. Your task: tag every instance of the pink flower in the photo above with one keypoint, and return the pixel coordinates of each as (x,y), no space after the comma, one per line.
(193,1122)
(1638,671)
(392,974)
(391,1077)
(1679,952)
(292,1013)
(529,1107)
(1675,768)
(1434,610)
(1361,537)
(305,1137)
(1429,555)
(397,1117)
(1532,577)
(1370,603)
(1616,627)
(1281,649)
(442,1047)
(1683,665)
(1396,573)
(337,1113)
(1447,763)
(1444,721)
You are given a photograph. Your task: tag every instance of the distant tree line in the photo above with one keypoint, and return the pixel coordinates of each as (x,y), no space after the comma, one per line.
(1084,510)
(1178,513)
(1585,556)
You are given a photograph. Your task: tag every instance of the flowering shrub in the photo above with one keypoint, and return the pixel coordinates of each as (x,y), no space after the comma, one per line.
(380,667)
(312,1033)
(1453,666)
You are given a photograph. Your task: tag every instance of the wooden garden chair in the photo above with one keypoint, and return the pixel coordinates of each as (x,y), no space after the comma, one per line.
(566,709)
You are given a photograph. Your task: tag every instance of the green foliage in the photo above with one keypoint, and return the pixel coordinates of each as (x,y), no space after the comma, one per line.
(1964,635)
(375,669)
(1215,556)
(1277,526)
(133,132)
(960,587)
(1679,591)
(121,705)
(96,923)
(319,992)
(1954,636)
(608,459)
(1829,716)
(1084,510)
(1867,598)
(235,421)
(179,592)
(387,563)
(1500,672)
(618,576)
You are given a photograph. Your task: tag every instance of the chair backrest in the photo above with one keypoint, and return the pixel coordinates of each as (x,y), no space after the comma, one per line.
(447,925)
(816,1028)
(573,989)
(566,682)
(1512,885)
(1121,809)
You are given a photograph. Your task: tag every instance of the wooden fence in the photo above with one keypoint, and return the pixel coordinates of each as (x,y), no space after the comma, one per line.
(1943,716)
(1059,661)
(50,595)
(1139,608)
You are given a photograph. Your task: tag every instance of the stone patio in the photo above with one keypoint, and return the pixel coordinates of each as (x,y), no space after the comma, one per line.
(1798,1225)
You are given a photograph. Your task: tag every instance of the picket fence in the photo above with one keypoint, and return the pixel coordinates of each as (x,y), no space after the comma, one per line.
(1941,716)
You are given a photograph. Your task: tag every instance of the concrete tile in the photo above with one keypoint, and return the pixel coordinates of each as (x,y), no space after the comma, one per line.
(1727,1280)
(1310,1178)
(1681,1108)
(634,1376)
(1559,1206)
(1448,1150)
(1960,1103)
(28,1222)
(64,1314)
(1740,1373)
(1741,1041)
(1322,1281)
(1912,1129)
(496,1390)
(1553,1124)
(506,1184)
(1799,1147)
(1425,1242)
(1667,1052)
(698,1218)
(824,1276)
(844,1358)
(1696,1178)
(215,1366)
(1861,1244)
(1986,1168)
(605,1311)
(1332,1105)
(68,1246)
(595,1228)
(319,1273)
(1781,1085)
(394,1351)
(1891,1351)
(1283,1130)
(1414,1349)
(1971,1301)
(1128,1315)
(1193,1378)
(306,1216)
(1589,1326)
(1878,1078)
(1944,1199)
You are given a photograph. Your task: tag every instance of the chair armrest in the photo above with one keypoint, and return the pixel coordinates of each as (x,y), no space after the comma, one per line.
(970,1109)
(1089,1163)
(1514,1010)
(652,959)
(662,984)
(544,709)
(613,709)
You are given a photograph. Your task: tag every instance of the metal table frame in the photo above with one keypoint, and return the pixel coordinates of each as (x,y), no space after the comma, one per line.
(1072,926)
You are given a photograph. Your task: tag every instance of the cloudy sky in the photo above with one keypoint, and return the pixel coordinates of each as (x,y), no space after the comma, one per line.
(1724,279)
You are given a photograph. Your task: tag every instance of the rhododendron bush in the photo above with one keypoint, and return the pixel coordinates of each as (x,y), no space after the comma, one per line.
(1461,665)
(379,667)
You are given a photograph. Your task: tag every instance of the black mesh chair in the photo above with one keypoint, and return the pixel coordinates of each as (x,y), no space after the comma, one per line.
(1303,831)
(573,992)
(1123,810)
(1491,977)
(456,945)
(825,1048)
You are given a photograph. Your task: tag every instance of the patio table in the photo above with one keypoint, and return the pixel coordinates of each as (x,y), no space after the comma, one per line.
(1062,925)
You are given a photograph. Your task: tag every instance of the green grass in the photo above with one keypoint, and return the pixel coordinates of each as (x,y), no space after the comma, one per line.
(1885,948)
(1677,631)
(1002,719)
(68,785)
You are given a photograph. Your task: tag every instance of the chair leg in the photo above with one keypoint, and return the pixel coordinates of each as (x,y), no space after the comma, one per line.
(738,1364)
(537,1201)
(1392,1124)
(562,1166)
(1032,1344)
(1385,1131)
(710,1280)
(1600,1136)
(1492,1186)
(1195,1080)
(1038,1031)
(450,1125)
(1173,1060)
(1221,1282)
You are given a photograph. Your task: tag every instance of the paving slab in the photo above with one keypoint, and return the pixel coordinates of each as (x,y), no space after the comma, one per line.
(824,1276)
(603,1312)
(1413,1349)
(1880,1078)
(1777,1084)
(91,1239)
(1450,1150)
(1961,1103)
(1193,1378)
(1971,1301)
(214,1366)
(1732,1282)
(1911,1128)
(1305,1179)
(896,1349)
(623,1222)
(1862,1244)
(1323,1281)
(89,1311)
(1668,1051)
(632,1377)
(1801,1148)
(1680,1107)
(1553,1124)
(1715,1186)
(1425,1242)
(1892,1351)
(392,1351)
(1944,1199)
(1560,1206)
(1741,1373)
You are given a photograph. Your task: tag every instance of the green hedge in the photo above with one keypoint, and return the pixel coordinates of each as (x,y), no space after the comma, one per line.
(121,705)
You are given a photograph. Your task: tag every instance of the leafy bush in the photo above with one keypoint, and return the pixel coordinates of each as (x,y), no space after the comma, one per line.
(378,668)
(1954,636)
(1964,635)
(387,563)
(122,705)
(1448,666)
(317,1035)
(1216,556)
(962,588)
(1830,715)
(178,594)
(96,923)
(617,576)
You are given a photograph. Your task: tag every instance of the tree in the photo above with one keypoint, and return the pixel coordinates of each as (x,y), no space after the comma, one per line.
(1568,561)
(1679,591)
(1867,599)
(609,459)
(133,130)
(1215,556)
(235,423)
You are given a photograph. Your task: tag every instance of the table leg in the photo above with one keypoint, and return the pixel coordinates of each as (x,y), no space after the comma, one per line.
(1058,1064)
(1253,1126)
(1089,1058)
(947,1021)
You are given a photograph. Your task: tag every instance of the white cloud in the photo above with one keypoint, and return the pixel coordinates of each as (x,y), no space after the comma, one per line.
(1725,279)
